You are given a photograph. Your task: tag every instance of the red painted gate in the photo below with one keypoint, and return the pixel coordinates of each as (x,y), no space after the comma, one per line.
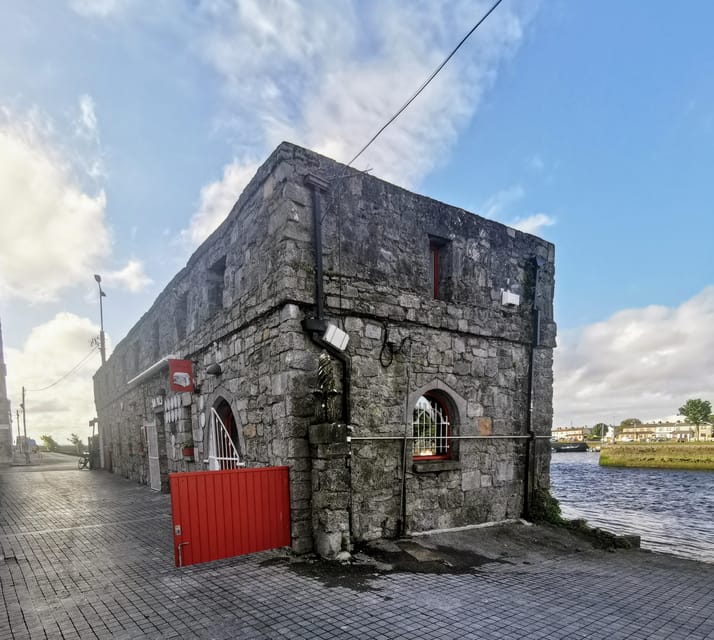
(220,514)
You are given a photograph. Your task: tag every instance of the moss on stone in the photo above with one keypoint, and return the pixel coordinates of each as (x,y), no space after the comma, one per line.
(545,508)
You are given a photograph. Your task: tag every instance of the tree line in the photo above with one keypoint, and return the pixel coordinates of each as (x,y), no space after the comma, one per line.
(696,411)
(50,444)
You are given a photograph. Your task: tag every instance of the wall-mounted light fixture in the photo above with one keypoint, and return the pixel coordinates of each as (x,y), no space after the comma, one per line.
(214,369)
(335,337)
(510,299)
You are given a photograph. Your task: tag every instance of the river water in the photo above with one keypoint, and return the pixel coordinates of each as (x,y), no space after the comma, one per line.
(673,511)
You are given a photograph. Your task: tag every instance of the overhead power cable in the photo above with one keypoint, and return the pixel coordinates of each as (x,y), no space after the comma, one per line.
(72,370)
(425,83)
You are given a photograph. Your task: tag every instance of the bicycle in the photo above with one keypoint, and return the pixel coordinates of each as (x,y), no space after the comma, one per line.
(83,462)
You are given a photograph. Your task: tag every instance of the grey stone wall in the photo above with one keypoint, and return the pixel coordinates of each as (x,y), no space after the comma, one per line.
(330,454)
(240,302)
(487,382)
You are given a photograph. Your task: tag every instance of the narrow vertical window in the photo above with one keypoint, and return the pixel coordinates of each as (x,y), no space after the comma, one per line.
(181,316)
(134,358)
(434,253)
(215,282)
(440,267)
(155,341)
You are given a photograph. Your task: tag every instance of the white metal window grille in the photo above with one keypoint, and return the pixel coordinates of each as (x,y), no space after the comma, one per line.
(430,429)
(152,438)
(222,452)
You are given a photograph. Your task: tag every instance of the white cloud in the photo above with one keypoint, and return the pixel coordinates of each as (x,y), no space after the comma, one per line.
(99,8)
(86,124)
(328,75)
(638,363)
(535,162)
(217,199)
(87,154)
(495,206)
(51,351)
(131,278)
(498,204)
(532,224)
(52,230)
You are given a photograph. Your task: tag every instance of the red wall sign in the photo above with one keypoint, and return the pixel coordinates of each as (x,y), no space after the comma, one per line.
(180,375)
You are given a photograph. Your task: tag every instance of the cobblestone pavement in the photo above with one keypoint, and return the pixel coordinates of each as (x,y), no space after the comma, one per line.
(88,555)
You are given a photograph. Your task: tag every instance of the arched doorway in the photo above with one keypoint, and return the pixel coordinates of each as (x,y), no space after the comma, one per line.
(223,443)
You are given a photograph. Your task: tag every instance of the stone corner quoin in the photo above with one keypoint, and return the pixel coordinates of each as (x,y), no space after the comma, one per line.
(450,324)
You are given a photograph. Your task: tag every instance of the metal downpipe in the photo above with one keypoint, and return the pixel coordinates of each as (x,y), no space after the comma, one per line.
(530,446)
(316,326)
(405,451)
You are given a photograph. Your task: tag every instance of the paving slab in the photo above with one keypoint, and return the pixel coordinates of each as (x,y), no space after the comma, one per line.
(86,554)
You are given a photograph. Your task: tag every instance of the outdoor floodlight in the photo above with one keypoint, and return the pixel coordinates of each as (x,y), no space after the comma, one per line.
(336,337)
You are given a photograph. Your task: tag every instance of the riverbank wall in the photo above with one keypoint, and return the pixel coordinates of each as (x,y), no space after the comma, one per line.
(696,456)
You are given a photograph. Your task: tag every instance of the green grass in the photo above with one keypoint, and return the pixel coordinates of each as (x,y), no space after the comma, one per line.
(694,456)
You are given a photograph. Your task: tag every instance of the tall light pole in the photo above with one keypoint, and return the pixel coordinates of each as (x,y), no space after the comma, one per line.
(102,348)
(24,428)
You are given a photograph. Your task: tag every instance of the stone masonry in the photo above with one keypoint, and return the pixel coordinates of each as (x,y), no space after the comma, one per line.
(247,301)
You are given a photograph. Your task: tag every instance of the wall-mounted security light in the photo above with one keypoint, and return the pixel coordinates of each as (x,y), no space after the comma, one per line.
(214,369)
(336,337)
(510,299)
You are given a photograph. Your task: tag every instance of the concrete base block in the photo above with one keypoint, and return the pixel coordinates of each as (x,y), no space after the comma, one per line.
(328,545)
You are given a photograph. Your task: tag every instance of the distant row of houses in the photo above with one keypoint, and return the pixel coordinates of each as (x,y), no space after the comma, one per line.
(660,431)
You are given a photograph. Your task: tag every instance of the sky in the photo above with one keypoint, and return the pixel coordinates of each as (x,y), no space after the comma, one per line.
(128,129)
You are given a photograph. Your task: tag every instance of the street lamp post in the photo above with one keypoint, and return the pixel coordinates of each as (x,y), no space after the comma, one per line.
(24,428)
(102,349)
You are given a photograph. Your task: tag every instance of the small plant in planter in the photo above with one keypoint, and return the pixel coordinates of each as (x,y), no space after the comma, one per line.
(187,450)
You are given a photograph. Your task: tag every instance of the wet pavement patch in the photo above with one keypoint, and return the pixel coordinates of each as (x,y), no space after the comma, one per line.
(374,560)
(349,575)
(411,557)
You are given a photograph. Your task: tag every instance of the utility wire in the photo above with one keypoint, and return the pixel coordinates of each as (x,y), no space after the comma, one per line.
(72,370)
(425,83)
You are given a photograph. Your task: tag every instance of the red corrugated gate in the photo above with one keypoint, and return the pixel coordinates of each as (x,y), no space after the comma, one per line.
(219,514)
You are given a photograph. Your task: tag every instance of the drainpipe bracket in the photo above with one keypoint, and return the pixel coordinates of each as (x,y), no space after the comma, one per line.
(315,181)
(314,325)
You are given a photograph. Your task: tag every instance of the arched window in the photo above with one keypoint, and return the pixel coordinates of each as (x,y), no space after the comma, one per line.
(431,428)
(223,442)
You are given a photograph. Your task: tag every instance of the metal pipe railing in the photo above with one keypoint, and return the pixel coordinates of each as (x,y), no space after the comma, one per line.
(507,437)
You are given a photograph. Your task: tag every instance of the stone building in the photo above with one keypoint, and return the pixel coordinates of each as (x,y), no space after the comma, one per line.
(437,411)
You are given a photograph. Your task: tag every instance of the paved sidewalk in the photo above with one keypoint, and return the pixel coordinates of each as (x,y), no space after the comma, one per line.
(88,555)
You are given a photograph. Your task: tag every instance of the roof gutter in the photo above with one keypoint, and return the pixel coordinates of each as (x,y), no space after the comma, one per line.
(163,363)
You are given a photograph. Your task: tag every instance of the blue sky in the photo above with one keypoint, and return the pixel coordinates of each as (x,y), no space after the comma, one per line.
(127,129)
